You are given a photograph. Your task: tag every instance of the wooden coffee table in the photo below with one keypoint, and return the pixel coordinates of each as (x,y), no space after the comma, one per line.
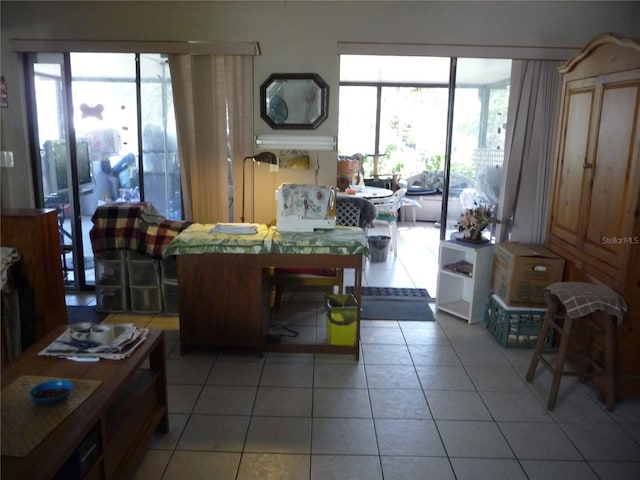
(122,413)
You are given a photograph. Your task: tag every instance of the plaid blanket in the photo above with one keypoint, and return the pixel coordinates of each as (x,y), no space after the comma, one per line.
(133,226)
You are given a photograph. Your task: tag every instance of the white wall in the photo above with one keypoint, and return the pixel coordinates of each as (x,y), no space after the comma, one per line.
(294,37)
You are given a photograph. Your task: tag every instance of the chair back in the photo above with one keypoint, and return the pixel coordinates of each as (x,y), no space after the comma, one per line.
(354,212)
(348,213)
(389,206)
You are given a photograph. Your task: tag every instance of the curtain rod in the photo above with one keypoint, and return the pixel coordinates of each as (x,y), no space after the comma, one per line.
(452,50)
(138,46)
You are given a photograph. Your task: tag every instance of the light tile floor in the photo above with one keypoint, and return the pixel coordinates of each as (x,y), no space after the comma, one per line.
(427,400)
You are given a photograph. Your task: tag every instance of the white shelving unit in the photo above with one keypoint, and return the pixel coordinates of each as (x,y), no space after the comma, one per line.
(460,294)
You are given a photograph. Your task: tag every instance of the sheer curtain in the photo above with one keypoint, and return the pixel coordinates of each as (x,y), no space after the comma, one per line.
(213,97)
(529,151)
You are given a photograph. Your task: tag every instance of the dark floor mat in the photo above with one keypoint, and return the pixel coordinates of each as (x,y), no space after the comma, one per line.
(392,292)
(396,308)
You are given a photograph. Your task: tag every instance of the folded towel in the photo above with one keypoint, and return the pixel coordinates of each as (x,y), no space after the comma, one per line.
(8,256)
(235,228)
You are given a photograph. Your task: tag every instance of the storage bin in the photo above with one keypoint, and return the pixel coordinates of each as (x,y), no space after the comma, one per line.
(514,326)
(342,311)
(112,254)
(111,299)
(170,297)
(146,299)
(379,248)
(111,268)
(133,255)
(169,268)
(110,273)
(143,271)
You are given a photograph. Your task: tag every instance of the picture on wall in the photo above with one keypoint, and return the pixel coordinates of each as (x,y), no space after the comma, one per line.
(294,159)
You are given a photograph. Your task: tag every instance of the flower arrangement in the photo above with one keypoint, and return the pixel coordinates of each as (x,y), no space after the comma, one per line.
(474,220)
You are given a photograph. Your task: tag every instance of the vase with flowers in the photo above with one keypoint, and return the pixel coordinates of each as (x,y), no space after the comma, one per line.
(473,221)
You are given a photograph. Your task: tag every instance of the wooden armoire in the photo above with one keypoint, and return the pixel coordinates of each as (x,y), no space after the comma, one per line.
(594,221)
(34,234)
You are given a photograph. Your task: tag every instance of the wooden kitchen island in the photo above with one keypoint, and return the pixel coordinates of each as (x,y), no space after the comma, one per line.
(224,287)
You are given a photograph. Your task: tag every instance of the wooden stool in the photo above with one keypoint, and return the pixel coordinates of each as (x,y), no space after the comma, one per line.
(574,304)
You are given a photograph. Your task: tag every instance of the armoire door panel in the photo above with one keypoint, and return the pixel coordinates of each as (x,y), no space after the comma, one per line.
(569,198)
(614,186)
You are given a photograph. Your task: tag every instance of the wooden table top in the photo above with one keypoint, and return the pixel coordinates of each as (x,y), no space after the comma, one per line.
(48,456)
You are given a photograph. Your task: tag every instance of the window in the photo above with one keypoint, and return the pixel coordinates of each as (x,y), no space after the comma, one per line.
(396,110)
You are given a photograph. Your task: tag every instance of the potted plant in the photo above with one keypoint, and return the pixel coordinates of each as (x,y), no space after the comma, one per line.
(473,221)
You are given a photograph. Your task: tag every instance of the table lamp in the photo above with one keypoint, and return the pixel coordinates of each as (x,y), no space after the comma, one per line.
(266,157)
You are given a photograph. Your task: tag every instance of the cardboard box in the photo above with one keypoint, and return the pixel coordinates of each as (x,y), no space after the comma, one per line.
(521,273)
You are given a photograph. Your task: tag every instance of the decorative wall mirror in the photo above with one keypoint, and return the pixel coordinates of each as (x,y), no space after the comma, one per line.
(294,101)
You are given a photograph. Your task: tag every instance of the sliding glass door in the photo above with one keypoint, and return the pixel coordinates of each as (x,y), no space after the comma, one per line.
(160,159)
(103,132)
(428,121)
(478,135)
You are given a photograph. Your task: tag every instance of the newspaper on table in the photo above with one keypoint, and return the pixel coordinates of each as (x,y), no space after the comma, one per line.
(126,339)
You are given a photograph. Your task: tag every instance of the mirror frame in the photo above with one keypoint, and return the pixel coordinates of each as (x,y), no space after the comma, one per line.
(322,89)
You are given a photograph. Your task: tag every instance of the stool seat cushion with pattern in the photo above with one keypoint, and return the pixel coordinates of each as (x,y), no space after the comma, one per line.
(580,299)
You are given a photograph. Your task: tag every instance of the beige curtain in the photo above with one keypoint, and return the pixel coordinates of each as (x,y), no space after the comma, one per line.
(529,151)
(213,98)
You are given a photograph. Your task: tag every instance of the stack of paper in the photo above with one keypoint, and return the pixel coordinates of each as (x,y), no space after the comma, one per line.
(127,337)
(235,228)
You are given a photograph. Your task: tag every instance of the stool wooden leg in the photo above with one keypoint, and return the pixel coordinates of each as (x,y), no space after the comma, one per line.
(544,331)
(609,362)
(586,367)
(559,364)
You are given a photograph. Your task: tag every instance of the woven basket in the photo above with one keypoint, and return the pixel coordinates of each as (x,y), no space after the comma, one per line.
(349,167)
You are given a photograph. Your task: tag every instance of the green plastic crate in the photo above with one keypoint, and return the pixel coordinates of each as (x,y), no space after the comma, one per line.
(514,326)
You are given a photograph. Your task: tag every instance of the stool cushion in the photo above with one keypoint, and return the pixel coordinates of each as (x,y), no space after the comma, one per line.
(582,298)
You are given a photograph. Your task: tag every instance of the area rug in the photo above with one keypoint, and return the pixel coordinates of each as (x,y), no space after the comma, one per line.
(403,304)
(76,314)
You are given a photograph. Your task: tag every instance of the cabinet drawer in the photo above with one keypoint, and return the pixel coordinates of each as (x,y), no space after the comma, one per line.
(111,299)
(144,273)
(170,297)
(146,299)
(128,417)
(83,458)
(110,273)
(170,268)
